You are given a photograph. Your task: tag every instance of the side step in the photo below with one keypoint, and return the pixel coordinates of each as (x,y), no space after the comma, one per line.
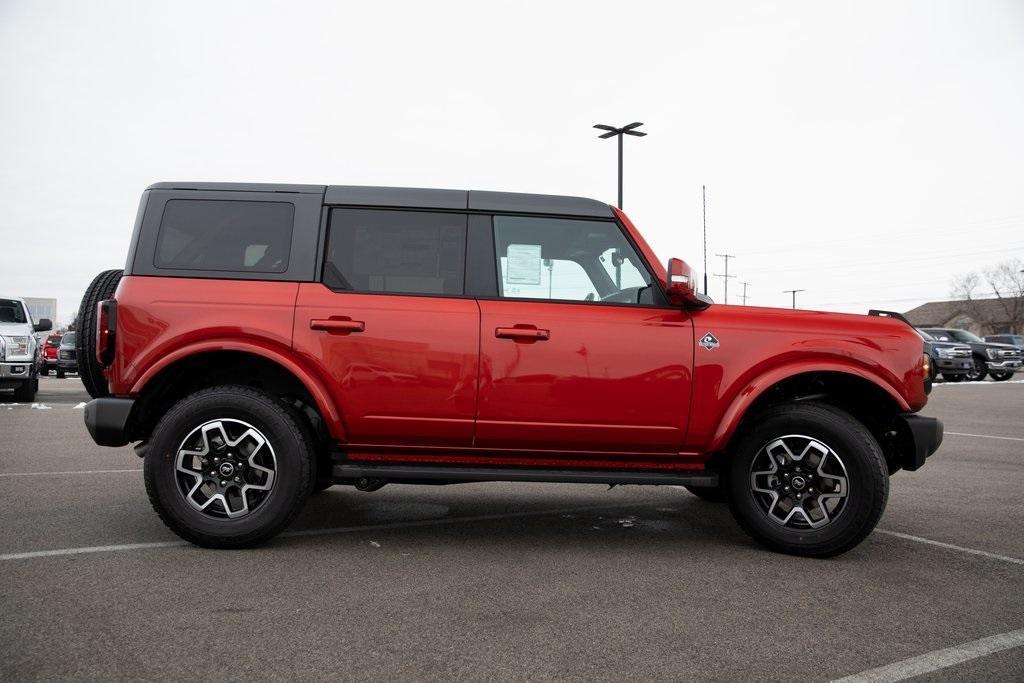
(426,473)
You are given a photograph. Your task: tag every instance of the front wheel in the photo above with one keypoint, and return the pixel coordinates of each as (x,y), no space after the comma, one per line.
(228,467)
(26,391)
(1001,376)
(808,479)
(978,372)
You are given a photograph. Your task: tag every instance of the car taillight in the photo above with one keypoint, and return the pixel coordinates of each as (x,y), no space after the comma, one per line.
(106,330)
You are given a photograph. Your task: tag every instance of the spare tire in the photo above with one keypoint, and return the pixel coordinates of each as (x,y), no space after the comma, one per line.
(89,369)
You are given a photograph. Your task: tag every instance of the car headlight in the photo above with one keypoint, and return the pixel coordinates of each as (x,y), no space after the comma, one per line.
(3,349)
(17,348)
(944,352)
(992,353)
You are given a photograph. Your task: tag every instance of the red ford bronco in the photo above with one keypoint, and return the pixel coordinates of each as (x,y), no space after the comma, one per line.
(267,341)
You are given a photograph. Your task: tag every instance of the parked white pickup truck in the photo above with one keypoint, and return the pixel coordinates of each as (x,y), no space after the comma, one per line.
(19,350)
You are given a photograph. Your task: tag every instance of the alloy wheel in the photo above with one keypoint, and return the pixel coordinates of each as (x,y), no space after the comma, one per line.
(225,468)
(799,482)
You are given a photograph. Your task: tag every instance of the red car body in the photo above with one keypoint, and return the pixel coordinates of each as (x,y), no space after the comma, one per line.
(427,380)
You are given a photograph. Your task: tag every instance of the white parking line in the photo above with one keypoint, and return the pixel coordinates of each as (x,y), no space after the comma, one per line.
(61,474)
(939,659)
(950,546)
(986,436)
(319,532)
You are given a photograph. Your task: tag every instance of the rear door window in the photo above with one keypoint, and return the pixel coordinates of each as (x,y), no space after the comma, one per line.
(396,252)
(217,235)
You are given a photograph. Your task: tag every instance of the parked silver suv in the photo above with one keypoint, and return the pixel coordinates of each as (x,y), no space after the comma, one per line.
(19,350)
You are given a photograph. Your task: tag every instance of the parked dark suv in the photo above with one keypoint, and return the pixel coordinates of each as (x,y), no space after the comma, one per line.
(67,359)
(998,360)
(954,361)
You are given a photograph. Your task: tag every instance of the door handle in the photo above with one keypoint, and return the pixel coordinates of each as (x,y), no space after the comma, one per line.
(338,326)
(522,333)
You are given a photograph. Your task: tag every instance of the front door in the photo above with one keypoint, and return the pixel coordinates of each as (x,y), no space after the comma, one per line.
(390,329)
(576,353)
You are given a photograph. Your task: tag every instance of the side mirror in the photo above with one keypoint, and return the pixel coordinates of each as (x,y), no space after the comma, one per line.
(681,286)
(44,325)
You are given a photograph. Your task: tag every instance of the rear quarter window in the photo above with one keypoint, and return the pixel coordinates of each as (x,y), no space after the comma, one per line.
(224,235)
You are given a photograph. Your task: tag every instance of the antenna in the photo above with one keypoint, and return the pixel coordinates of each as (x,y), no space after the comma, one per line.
(704,210)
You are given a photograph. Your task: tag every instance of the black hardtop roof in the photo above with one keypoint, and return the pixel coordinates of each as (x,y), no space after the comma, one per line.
(418,198)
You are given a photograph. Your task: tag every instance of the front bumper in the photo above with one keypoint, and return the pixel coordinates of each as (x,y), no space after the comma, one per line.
(918,437)
(953,366)
(19,370)
(68,365)
(107,420)
(1004,365)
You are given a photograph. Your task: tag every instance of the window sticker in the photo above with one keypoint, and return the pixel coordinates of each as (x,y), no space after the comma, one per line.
(523,265)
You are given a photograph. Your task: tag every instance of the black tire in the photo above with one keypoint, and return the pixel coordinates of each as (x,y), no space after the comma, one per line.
(45,370)
(933,371)
(865,467)
(89,369)
(292,447)
(979,371)
(26,391)
(1000,376)
(60,374)
(711,494)
(952,378)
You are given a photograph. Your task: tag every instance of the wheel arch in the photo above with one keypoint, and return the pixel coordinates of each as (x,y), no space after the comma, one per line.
(867,398)
(233,362)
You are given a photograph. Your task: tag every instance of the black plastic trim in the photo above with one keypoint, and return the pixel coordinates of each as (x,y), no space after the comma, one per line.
(107,420)
(923,436)
(346,471)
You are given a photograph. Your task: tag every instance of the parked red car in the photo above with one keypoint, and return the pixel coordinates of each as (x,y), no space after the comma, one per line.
(266,341)
(50,352)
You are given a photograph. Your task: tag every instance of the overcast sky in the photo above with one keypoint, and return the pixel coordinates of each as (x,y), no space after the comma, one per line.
(863,151)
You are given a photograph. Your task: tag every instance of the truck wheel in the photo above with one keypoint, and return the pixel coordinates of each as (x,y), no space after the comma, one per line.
(1001,376)
(711,494)
(228,467)
(89,369)
(809,480)
(60,374)
(44,371)
(978,372)
(26,391)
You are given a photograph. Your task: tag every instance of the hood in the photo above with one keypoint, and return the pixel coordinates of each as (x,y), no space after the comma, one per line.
(16,329)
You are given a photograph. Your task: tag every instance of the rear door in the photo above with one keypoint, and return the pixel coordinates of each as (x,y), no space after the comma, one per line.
(390,328)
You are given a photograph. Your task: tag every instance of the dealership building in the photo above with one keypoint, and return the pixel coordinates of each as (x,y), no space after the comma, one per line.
(41,308)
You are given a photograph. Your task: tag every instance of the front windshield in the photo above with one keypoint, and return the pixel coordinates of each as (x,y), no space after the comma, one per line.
(925,335)
(964,336)
(68,339)
(12,311)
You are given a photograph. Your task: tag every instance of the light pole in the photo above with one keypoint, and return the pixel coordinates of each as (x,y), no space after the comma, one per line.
(619,132)
(793,292)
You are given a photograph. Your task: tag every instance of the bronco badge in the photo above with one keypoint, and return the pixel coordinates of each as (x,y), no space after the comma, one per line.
(709,341)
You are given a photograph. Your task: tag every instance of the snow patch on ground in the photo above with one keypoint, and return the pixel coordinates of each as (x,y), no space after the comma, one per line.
(985,382)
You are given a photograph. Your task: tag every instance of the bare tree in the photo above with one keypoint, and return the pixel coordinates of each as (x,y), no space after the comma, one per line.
(1004,283)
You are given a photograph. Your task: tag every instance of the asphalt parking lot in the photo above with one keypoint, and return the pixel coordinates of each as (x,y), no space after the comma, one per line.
(505,581)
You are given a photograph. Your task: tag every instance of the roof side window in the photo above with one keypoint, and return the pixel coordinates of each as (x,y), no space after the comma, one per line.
(224,235)
(396,252)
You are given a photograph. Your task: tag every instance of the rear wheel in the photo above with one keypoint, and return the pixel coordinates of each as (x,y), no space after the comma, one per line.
(1001,376)
(228,467)
(978,372)
(89,369)
(808,480)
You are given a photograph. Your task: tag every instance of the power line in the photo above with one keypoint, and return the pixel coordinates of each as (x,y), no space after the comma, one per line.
(725,278)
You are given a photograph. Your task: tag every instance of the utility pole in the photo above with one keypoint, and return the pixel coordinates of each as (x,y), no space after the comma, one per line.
(745,284)
(726,277)
(704,212)
(793,292)
(619,132)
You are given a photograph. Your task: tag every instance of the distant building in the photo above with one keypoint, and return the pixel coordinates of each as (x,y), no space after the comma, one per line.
(980,316)
(41,308)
